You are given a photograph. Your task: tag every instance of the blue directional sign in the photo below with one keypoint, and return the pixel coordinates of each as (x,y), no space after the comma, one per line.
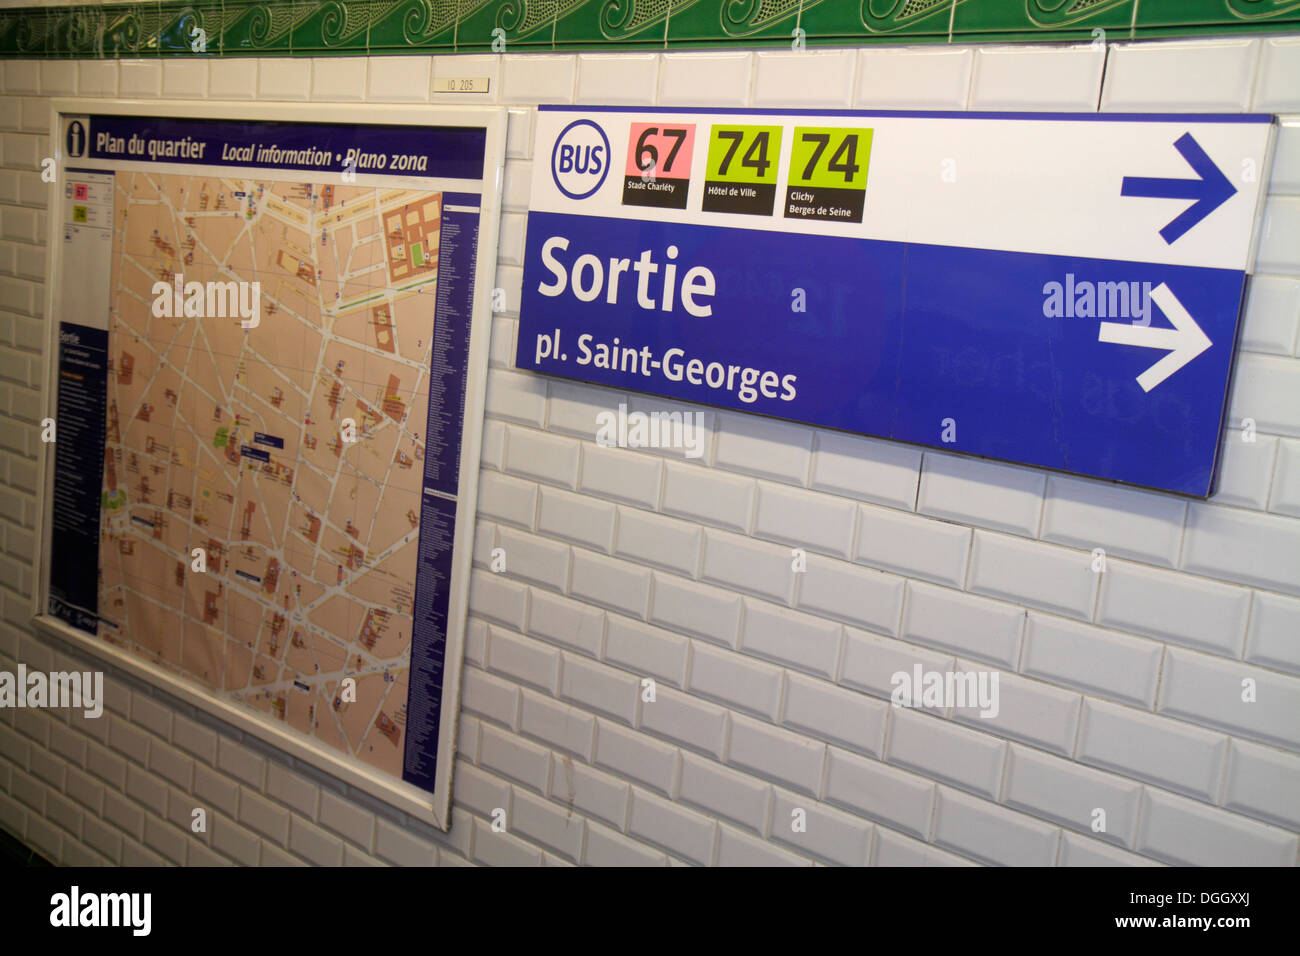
(1051,290)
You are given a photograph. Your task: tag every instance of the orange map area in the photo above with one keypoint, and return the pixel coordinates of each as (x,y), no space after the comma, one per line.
(233,441)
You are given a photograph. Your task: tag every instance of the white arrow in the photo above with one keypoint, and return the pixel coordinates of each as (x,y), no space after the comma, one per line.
(1184,341)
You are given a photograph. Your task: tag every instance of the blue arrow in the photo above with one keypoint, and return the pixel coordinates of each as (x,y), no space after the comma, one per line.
(1211,190)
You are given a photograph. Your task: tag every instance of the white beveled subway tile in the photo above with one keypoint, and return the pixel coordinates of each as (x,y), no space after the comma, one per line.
(734,679)
(1277,88)
(398,79)
(140,77)
(1180,75)
(1243,700)
(608,848)
(763,447)
(1245,470)
(570,623)
(880,471)
(339,78)
(524,659)
(1078,850)
(576,407)
(97,77)
(477,790)
(599,687)
(589,791)
(618,78)
(576,518)
(914,78)
(1284,180)
(686,720)
(401,847)
(1122,521)
(1027,710)
(547,824)
(1093,660)
(682,832)
(1149,747)
(992,834)
(659,541)
(636,756)
(233,79)
(59,77)
(739,849)
(797,640)
(508,499)
(894,849)
(1185,832)
(22,76)
(550,721)
(312,843)
(185,79)
(519,135)
(542,456)
(788,758)
(870,662)
(981,493)
(494,597)
(264,816)
(511,755)
(686,431)
(804,78)
(1279,239)
(742,564)
(516,396)
(707,496)
(1264,783)
(945,752)
(816,829)
(723,792)
(534,559)
(1033,574)
(1243,547)
(1174,607)
(831,713)
(537,78)
(1285,498)
(1272,313)
(620,475)
(501,351)
(490,696)
(698,609)
(1274,625)
(493,848)
(863,596)
(912,545)
(611,583)
(1037,78)
(646,650)
(705,79)
(516,185)
(962,623)
(494,443)
(1066,793)
(804,519)
(284,78)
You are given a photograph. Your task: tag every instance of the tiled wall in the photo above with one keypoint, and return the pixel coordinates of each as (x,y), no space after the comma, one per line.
(66,28)
(1119,690)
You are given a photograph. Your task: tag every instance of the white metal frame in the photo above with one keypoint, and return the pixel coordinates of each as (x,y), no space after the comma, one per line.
(435,808)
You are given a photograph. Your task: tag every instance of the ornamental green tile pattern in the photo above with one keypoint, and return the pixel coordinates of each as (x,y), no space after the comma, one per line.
(315,27)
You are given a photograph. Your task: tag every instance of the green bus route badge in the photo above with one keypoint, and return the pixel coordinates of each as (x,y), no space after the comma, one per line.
(828,174)
(740,176)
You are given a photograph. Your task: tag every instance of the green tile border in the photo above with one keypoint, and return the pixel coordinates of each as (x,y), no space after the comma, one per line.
(361,27)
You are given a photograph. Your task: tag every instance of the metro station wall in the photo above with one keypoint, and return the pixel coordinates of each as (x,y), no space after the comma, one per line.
(772,685)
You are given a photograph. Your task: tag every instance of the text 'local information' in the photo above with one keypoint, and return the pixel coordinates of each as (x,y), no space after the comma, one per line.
(1057,290)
